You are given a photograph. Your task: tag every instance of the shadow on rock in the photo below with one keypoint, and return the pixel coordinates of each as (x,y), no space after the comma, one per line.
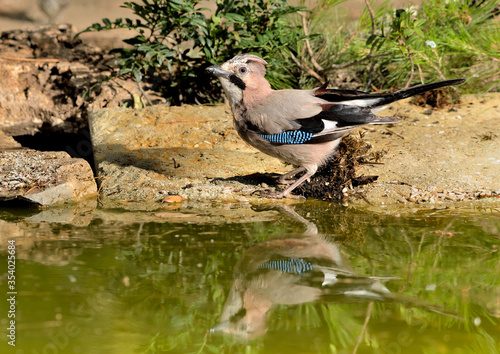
(218,164)
(254,179)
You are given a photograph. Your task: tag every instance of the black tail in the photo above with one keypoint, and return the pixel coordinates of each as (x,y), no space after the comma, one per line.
(415,90)
(379,99)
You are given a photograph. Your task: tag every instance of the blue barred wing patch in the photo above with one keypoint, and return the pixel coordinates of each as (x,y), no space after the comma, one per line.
(288,137)
(291,265)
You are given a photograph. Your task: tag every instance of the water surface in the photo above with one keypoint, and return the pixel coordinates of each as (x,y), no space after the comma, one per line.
(313,278)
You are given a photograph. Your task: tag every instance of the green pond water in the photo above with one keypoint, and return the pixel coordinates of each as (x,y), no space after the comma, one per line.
(312,278)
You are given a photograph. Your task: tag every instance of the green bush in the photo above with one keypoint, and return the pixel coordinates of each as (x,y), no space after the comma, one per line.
(177,39)
(442,40)
(390,48)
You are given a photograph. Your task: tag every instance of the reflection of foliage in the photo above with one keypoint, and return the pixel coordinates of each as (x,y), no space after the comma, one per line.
(331,326)
(178,283)
(178,277)
(441,263)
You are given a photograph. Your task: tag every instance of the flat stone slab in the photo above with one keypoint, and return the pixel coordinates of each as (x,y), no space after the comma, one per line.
(7,142)
(436,156)
(194,151)
(44,178)
(191,151)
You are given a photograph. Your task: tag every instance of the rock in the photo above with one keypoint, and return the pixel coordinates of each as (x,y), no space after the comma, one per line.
(191,151)
(451,157)
(7,142)
(45,72)
(44,178)
(194,152)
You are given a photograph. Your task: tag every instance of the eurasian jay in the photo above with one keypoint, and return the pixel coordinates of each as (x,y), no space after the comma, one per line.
(300,127)
(290,272)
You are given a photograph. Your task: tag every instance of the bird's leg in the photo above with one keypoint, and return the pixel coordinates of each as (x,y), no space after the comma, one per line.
(285,179)
(286,192)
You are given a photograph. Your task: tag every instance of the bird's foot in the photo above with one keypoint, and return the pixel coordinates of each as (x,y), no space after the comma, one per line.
(282,180)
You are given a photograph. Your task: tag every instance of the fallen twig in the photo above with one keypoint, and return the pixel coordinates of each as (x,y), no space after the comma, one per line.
(393,132)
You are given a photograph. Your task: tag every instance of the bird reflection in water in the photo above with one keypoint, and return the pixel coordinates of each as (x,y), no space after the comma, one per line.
(291,271)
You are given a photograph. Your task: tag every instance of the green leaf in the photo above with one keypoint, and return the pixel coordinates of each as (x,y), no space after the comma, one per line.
(408,32)
(371,39)
(215,19)
(232,17)
(419,23)
(143,48)
(419,32)
(137,74)
(124,71)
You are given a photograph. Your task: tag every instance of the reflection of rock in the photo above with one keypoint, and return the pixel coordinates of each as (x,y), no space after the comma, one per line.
(79,214)
(290,272)
(50,251)
(44,178)
(52,8)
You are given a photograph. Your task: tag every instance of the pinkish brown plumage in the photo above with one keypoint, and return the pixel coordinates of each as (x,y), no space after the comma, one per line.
(300,127)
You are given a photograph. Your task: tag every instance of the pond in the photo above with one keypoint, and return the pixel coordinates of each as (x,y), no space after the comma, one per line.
(305,278)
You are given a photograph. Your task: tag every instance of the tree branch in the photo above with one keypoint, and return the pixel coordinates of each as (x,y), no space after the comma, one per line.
(343,66)
(412,69)
(307,69)
(308,44)
(372,15)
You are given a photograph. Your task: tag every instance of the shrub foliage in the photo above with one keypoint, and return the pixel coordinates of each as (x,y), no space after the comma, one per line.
(177,39)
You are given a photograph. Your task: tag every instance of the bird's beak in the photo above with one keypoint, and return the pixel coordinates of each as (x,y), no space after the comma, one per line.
(217,71)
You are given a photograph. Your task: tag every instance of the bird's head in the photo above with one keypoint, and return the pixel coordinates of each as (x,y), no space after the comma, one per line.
(242,77)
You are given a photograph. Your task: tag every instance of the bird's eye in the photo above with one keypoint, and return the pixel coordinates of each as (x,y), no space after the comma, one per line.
(243,70)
